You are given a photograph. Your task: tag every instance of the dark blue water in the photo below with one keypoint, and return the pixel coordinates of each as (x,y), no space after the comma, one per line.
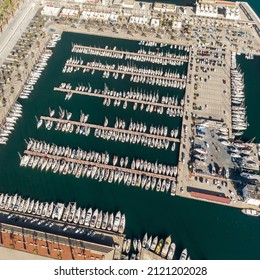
(208,231)
(255,5)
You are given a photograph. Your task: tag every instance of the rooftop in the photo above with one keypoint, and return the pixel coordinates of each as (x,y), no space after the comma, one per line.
(51,245)
(158,5)
(128,2)
(117,2)
(217,3)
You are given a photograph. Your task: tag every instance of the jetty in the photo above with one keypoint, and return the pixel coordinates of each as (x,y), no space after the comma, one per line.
(126,72)
(124,54)
(101,165)
(100,95)
(120,130)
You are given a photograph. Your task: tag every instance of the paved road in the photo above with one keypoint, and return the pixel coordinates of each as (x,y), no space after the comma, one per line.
(251,15)
(15,28)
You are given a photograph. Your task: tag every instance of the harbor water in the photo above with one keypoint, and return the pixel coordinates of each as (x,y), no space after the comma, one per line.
(208,231)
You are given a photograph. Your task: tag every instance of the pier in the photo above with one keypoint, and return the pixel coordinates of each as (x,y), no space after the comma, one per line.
(117,98)
(91,67)
(101,165)
(95,126)
(132,54)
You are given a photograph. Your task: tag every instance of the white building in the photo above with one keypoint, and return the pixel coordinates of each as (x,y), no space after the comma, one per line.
(206,10)
(232,13)
(176,24)
(210,8)
(117,3)
(164,7)
(251,195)
(155,22)
(128,4)
(113,17)
(69,13)
(142,6)
(139,20)
(95,15)
(50,11)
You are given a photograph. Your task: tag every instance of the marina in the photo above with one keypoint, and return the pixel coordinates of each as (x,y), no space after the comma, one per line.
(139,170)
(184,98)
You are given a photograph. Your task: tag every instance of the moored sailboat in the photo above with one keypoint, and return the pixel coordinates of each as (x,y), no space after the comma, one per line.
(166,246)
(88,217)
(171,251)
(94,219)
(184,254)
(154,243)
(110,221)
(122,224)
(105,221)
(117,221)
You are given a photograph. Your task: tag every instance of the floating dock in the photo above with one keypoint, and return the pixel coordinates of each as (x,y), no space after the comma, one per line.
(110,129)
(113,52)
(102,165)
(100,95)
(90,67)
